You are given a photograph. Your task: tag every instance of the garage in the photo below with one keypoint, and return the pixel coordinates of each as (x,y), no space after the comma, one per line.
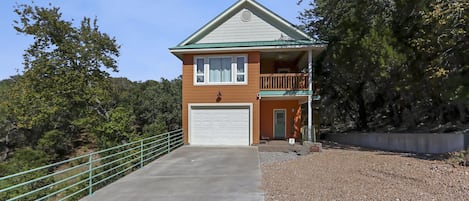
(219,125)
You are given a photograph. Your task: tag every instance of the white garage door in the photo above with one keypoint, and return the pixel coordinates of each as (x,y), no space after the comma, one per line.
(219,126)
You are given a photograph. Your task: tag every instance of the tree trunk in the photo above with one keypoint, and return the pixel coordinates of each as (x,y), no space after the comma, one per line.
(362,115)
(396,115)
(462,112)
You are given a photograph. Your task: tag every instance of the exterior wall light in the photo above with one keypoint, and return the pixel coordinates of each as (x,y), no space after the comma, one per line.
(219,95)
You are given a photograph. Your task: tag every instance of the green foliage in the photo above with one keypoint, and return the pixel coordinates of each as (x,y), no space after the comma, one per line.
(117,129)
(55,143)
(444,35)
(65,100)
(5,124)
(22,160)
(64,79)
(160,102)
(395,65)
(139,110)
(155,127)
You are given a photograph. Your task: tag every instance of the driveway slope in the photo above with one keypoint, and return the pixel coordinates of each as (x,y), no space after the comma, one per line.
(192,173)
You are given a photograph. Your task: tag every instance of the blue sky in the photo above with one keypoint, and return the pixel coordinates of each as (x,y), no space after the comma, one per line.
(145,29)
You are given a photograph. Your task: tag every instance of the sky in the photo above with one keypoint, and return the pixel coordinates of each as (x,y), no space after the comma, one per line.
(145,29)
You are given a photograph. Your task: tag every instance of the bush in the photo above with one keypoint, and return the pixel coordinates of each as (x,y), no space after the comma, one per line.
(22,160)
(55,143)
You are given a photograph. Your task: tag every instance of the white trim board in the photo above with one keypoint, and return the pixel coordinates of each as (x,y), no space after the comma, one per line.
(234,70)
(258,48)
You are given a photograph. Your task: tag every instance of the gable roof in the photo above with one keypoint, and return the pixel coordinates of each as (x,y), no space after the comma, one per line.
(214,33)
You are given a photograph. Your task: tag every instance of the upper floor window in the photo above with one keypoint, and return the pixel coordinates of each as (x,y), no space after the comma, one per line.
(221,70)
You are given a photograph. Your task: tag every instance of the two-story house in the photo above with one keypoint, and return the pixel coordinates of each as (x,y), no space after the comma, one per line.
(247,76)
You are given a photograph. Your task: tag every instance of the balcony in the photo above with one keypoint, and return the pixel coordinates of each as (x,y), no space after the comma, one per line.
(284,81)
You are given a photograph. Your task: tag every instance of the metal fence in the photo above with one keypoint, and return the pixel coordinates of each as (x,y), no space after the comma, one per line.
(77,177)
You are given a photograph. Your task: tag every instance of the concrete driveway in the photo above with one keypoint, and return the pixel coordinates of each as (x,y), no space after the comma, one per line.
(192,173)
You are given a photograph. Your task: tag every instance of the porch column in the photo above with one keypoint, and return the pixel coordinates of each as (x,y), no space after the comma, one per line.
(310,96)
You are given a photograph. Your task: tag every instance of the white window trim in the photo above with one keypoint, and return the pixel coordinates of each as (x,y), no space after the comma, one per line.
(234,70)
(196,73)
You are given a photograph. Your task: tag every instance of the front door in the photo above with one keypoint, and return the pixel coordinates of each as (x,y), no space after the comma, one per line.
(280,124)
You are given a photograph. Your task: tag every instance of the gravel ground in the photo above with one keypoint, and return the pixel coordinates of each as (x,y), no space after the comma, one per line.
(344,173)
(272,157)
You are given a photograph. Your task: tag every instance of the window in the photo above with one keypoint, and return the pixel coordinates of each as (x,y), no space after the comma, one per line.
(220,70)
(240,69)
(200,71)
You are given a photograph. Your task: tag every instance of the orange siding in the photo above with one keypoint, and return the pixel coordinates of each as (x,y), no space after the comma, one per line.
(230,94)
(267,111)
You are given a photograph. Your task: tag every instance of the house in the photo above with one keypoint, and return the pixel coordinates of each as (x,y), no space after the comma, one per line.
(247,77)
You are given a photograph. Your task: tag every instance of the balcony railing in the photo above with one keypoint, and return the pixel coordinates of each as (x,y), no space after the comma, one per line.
(284,81)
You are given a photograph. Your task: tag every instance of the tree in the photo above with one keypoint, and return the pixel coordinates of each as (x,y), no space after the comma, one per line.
(444,36)
(64,79)
(392,64)
(360,53)
(118,129)
(6,126)
(65,99)
(158,105)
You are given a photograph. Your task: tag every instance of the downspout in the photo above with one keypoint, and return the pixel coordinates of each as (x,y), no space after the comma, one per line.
(310,96)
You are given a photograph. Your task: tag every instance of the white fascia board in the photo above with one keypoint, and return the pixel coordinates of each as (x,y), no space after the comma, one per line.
(260,48)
